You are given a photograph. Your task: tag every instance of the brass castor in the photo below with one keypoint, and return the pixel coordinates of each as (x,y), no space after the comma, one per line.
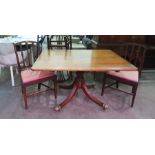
(105,106)
(57,108)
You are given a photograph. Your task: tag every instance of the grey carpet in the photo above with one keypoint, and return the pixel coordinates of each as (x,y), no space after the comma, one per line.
(11,102)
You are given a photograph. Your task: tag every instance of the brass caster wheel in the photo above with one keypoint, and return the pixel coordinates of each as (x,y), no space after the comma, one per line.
(57,108)
(105,106)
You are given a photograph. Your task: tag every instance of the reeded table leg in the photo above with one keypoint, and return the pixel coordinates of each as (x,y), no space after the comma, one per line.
(79,83)
(68,99)
(92,97)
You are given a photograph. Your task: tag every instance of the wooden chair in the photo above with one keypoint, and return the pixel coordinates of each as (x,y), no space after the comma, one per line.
(135,54)
(29,77)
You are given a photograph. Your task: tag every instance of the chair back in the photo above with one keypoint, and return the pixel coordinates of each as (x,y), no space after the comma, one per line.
(25,54)
(61,42)
(135,54)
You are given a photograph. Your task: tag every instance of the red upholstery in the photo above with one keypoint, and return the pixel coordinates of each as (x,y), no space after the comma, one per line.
(127,75)
(29,75)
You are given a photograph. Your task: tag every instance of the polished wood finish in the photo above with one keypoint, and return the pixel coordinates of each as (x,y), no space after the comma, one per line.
(132,52)
(79,83)
(81,60)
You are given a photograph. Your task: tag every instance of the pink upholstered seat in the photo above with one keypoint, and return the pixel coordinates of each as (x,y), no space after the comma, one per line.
(29,76)
(127,75)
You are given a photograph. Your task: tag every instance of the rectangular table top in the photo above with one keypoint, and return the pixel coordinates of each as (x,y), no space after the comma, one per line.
(81,60)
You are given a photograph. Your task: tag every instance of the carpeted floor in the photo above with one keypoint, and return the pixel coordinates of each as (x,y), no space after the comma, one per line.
(11,103)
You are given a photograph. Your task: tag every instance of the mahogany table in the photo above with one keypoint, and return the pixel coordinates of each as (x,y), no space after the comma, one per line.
(81,61)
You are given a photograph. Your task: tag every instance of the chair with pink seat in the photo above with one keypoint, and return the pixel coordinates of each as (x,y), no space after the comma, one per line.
(135,54)
(29,77)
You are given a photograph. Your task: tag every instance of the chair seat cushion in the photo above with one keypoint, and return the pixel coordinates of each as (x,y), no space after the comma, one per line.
(29,76)
(126,75)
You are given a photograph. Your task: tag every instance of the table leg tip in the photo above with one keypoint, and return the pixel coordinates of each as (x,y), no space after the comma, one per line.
(57,108)
(105,106)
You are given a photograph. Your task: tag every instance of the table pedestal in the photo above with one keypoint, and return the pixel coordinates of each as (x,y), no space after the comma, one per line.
(79,83)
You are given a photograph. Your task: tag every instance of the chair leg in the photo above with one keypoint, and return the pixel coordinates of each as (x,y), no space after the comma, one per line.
(134,90)
(12,77)
(55,88)
(117,84)
(25,97)
(103,85)
(39,86)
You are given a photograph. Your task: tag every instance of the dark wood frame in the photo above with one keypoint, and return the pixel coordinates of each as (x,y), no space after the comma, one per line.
(28,47)
(79,83)
(135,54)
